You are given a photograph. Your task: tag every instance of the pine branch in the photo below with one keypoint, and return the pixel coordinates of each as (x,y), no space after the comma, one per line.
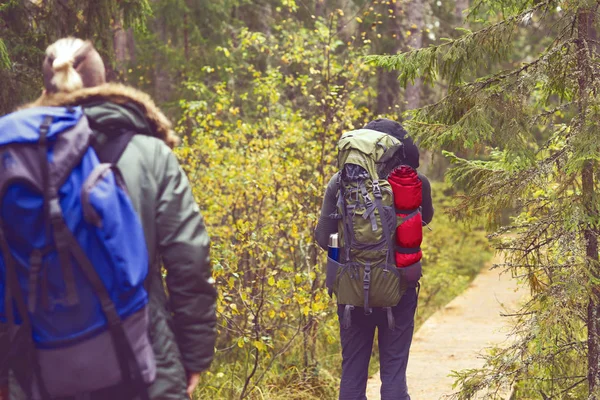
(457,121)
(4,57)
(452,59)
(500,6)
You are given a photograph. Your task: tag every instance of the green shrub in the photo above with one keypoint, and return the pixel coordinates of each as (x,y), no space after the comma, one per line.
(259,150)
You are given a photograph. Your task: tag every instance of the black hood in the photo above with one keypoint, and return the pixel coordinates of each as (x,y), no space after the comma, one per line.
(107,117)
(395,129)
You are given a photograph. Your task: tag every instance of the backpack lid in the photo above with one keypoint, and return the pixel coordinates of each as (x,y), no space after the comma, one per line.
(364,140)
(367,148)
(24,126)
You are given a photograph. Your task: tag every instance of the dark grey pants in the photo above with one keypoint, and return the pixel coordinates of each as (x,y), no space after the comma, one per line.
(394,346)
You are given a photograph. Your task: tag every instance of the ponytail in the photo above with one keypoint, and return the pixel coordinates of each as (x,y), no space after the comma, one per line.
(61,56)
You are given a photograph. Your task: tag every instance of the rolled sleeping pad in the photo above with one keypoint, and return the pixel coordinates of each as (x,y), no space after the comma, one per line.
(408,196)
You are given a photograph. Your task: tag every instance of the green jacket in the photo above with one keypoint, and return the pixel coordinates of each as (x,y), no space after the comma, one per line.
(182,317)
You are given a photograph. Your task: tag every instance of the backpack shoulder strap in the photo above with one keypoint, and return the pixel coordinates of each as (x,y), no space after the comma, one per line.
(13,296)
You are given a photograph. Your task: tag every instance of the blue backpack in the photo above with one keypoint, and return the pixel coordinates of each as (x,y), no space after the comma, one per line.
(73,254)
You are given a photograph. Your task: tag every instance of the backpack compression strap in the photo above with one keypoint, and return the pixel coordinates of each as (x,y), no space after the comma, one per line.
(345,222)
(53,212)
(13,292)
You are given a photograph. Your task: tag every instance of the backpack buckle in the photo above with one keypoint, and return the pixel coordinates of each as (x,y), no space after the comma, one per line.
(367,278)
(335,215)
(54,210)
(377,190)
(365,196)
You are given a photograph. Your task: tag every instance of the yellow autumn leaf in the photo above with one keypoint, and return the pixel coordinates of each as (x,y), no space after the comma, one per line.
(259,345)
(306,310)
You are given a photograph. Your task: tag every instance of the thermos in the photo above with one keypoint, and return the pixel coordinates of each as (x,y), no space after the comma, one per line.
(334,247)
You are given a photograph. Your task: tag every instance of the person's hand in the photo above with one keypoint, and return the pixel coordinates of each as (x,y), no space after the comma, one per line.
(192,381)
(4,393)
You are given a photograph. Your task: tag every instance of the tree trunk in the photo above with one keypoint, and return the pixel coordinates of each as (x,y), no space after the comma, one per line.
(186,36)
(387,81)
(266,18)
(414,15)
(593,322)
(387,90)
(319,8)
(161,74)
(415,11)
(131,45)
(459,8)
(257,16)
(585,34)
(119,46)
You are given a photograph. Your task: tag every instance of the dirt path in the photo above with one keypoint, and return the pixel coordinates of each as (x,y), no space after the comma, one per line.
(453,338)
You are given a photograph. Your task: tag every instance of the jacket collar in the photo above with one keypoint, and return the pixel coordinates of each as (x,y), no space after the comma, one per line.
(119,94)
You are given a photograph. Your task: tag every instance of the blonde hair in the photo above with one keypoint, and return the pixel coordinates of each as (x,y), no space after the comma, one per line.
(63,53)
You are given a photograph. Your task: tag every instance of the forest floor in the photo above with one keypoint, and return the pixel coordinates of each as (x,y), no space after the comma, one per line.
(453,338)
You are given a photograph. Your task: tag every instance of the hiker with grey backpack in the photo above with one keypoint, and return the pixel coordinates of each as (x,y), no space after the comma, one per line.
(373,211)
(93,206)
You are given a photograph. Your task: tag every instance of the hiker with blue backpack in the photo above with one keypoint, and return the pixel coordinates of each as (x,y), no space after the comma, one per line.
(371,220)
(96,218)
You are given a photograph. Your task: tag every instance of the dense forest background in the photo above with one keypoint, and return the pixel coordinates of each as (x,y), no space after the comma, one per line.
(159,45)
(261,90)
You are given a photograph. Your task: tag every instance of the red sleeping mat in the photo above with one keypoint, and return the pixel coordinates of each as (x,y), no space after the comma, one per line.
(407,188)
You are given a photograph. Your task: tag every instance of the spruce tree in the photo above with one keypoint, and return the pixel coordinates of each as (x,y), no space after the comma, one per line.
(533,121)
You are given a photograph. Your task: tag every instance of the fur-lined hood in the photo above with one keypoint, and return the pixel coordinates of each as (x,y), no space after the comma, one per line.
(118,94)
